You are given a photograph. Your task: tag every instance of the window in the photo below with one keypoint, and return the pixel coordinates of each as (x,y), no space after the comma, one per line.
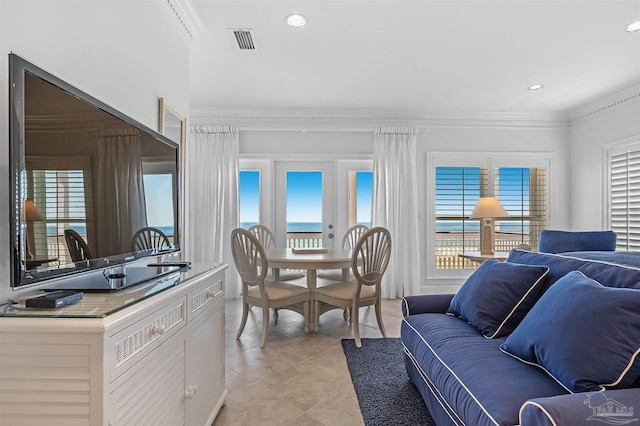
(457,192)
(249,194)
(159,178)
(360,195)
(518,184)
(522,192)
(624,196)
(63,198)
(281,193)
(156,186)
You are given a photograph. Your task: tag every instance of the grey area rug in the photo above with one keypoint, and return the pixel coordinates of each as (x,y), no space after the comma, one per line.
(385,394)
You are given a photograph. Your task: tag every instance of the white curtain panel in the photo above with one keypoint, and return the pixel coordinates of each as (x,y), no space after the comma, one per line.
(211,196)
(395,207)
(121,200)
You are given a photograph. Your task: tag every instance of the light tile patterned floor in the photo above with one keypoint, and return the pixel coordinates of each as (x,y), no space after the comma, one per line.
(297,379)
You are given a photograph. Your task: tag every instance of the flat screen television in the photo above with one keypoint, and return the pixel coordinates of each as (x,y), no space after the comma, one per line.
(85,179)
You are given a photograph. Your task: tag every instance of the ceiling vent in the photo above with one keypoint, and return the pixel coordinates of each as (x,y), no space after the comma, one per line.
(244,38)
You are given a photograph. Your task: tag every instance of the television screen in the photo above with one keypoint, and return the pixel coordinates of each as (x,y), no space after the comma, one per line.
(91,187)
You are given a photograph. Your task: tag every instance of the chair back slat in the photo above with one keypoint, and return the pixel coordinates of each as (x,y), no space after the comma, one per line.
(78,248)
(371,255)
(149,238)
(264,235)
(352,236)
(249,257)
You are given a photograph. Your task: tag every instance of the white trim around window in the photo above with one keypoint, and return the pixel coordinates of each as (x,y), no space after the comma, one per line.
(449,279)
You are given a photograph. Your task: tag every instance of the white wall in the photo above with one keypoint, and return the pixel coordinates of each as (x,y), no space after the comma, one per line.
(126,54)
(602,123)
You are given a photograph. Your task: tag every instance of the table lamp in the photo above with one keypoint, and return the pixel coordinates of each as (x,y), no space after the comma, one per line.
(487,209)
(31,214)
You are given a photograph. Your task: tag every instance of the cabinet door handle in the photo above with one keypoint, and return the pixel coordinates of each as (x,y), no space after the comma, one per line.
(210,295)
(158,330)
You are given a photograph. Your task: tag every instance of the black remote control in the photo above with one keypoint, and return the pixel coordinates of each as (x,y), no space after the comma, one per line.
(180,264)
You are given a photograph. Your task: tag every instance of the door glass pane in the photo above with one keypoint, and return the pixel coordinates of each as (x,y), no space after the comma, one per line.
(364,193)
(304,209)
(249,198)
(156,186)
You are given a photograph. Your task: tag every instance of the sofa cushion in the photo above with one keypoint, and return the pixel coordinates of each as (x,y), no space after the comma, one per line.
(607,274)
(583,334)
(552,241)
(496,297)
(471,379)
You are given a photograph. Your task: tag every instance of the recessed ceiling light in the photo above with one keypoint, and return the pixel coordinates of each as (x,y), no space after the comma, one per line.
(296,20)
(634,26)
(535,87)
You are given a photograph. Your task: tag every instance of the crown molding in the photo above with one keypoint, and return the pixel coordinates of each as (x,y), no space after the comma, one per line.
(368,120)
(614,101)
(185,19)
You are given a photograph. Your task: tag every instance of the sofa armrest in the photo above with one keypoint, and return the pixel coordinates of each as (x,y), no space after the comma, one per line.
(426,303)
(611,406)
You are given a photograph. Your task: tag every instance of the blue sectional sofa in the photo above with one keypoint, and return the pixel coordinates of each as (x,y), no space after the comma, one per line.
(541,339)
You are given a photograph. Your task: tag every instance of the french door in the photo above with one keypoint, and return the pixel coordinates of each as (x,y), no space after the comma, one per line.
(304,195)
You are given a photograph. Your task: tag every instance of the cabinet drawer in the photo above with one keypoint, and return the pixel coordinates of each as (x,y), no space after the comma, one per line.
(131,344)
(205,293)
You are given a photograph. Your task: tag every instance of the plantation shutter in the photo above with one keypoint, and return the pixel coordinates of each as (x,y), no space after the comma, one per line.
(62,195)
(456,194)
(624,197)
(522,191)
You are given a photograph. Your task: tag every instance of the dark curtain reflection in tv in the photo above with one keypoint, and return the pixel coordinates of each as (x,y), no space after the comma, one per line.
(121,199)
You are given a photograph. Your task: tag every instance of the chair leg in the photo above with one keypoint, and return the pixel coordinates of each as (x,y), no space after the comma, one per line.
(379,318)
(345,314)
(275,316)
(356,325)
(245,314)
(265,325)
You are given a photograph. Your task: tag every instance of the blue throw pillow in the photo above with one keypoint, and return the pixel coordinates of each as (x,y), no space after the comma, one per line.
(496,297)
(583,334)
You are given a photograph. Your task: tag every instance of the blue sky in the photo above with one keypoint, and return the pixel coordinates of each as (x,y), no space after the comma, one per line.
(156,189)
(304,196)
(249,186)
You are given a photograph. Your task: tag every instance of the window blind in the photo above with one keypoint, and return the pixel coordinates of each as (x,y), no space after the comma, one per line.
(63,197)
(624,198)
(522,192)
(457,190)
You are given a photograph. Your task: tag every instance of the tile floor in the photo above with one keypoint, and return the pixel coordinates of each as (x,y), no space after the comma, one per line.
(297,379)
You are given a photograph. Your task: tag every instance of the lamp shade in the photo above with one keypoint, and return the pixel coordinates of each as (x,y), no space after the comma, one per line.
(31,212)
(488,207)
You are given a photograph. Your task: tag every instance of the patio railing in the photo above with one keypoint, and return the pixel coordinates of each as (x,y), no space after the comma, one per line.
(448,245)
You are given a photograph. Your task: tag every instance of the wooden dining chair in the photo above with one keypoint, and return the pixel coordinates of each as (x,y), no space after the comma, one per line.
(268,241)
(369,262)
(149,238)
(349,241)
(78,247)
(252,264)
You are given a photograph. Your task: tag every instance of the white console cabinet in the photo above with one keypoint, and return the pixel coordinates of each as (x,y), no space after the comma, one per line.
(140,360)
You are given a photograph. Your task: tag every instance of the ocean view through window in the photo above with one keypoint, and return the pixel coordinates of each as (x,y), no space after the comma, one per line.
(522,192)
(304,223)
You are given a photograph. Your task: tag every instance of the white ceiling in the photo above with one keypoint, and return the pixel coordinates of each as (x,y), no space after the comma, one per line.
(429,55)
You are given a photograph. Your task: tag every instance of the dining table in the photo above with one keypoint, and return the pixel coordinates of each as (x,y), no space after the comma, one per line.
(285,258)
